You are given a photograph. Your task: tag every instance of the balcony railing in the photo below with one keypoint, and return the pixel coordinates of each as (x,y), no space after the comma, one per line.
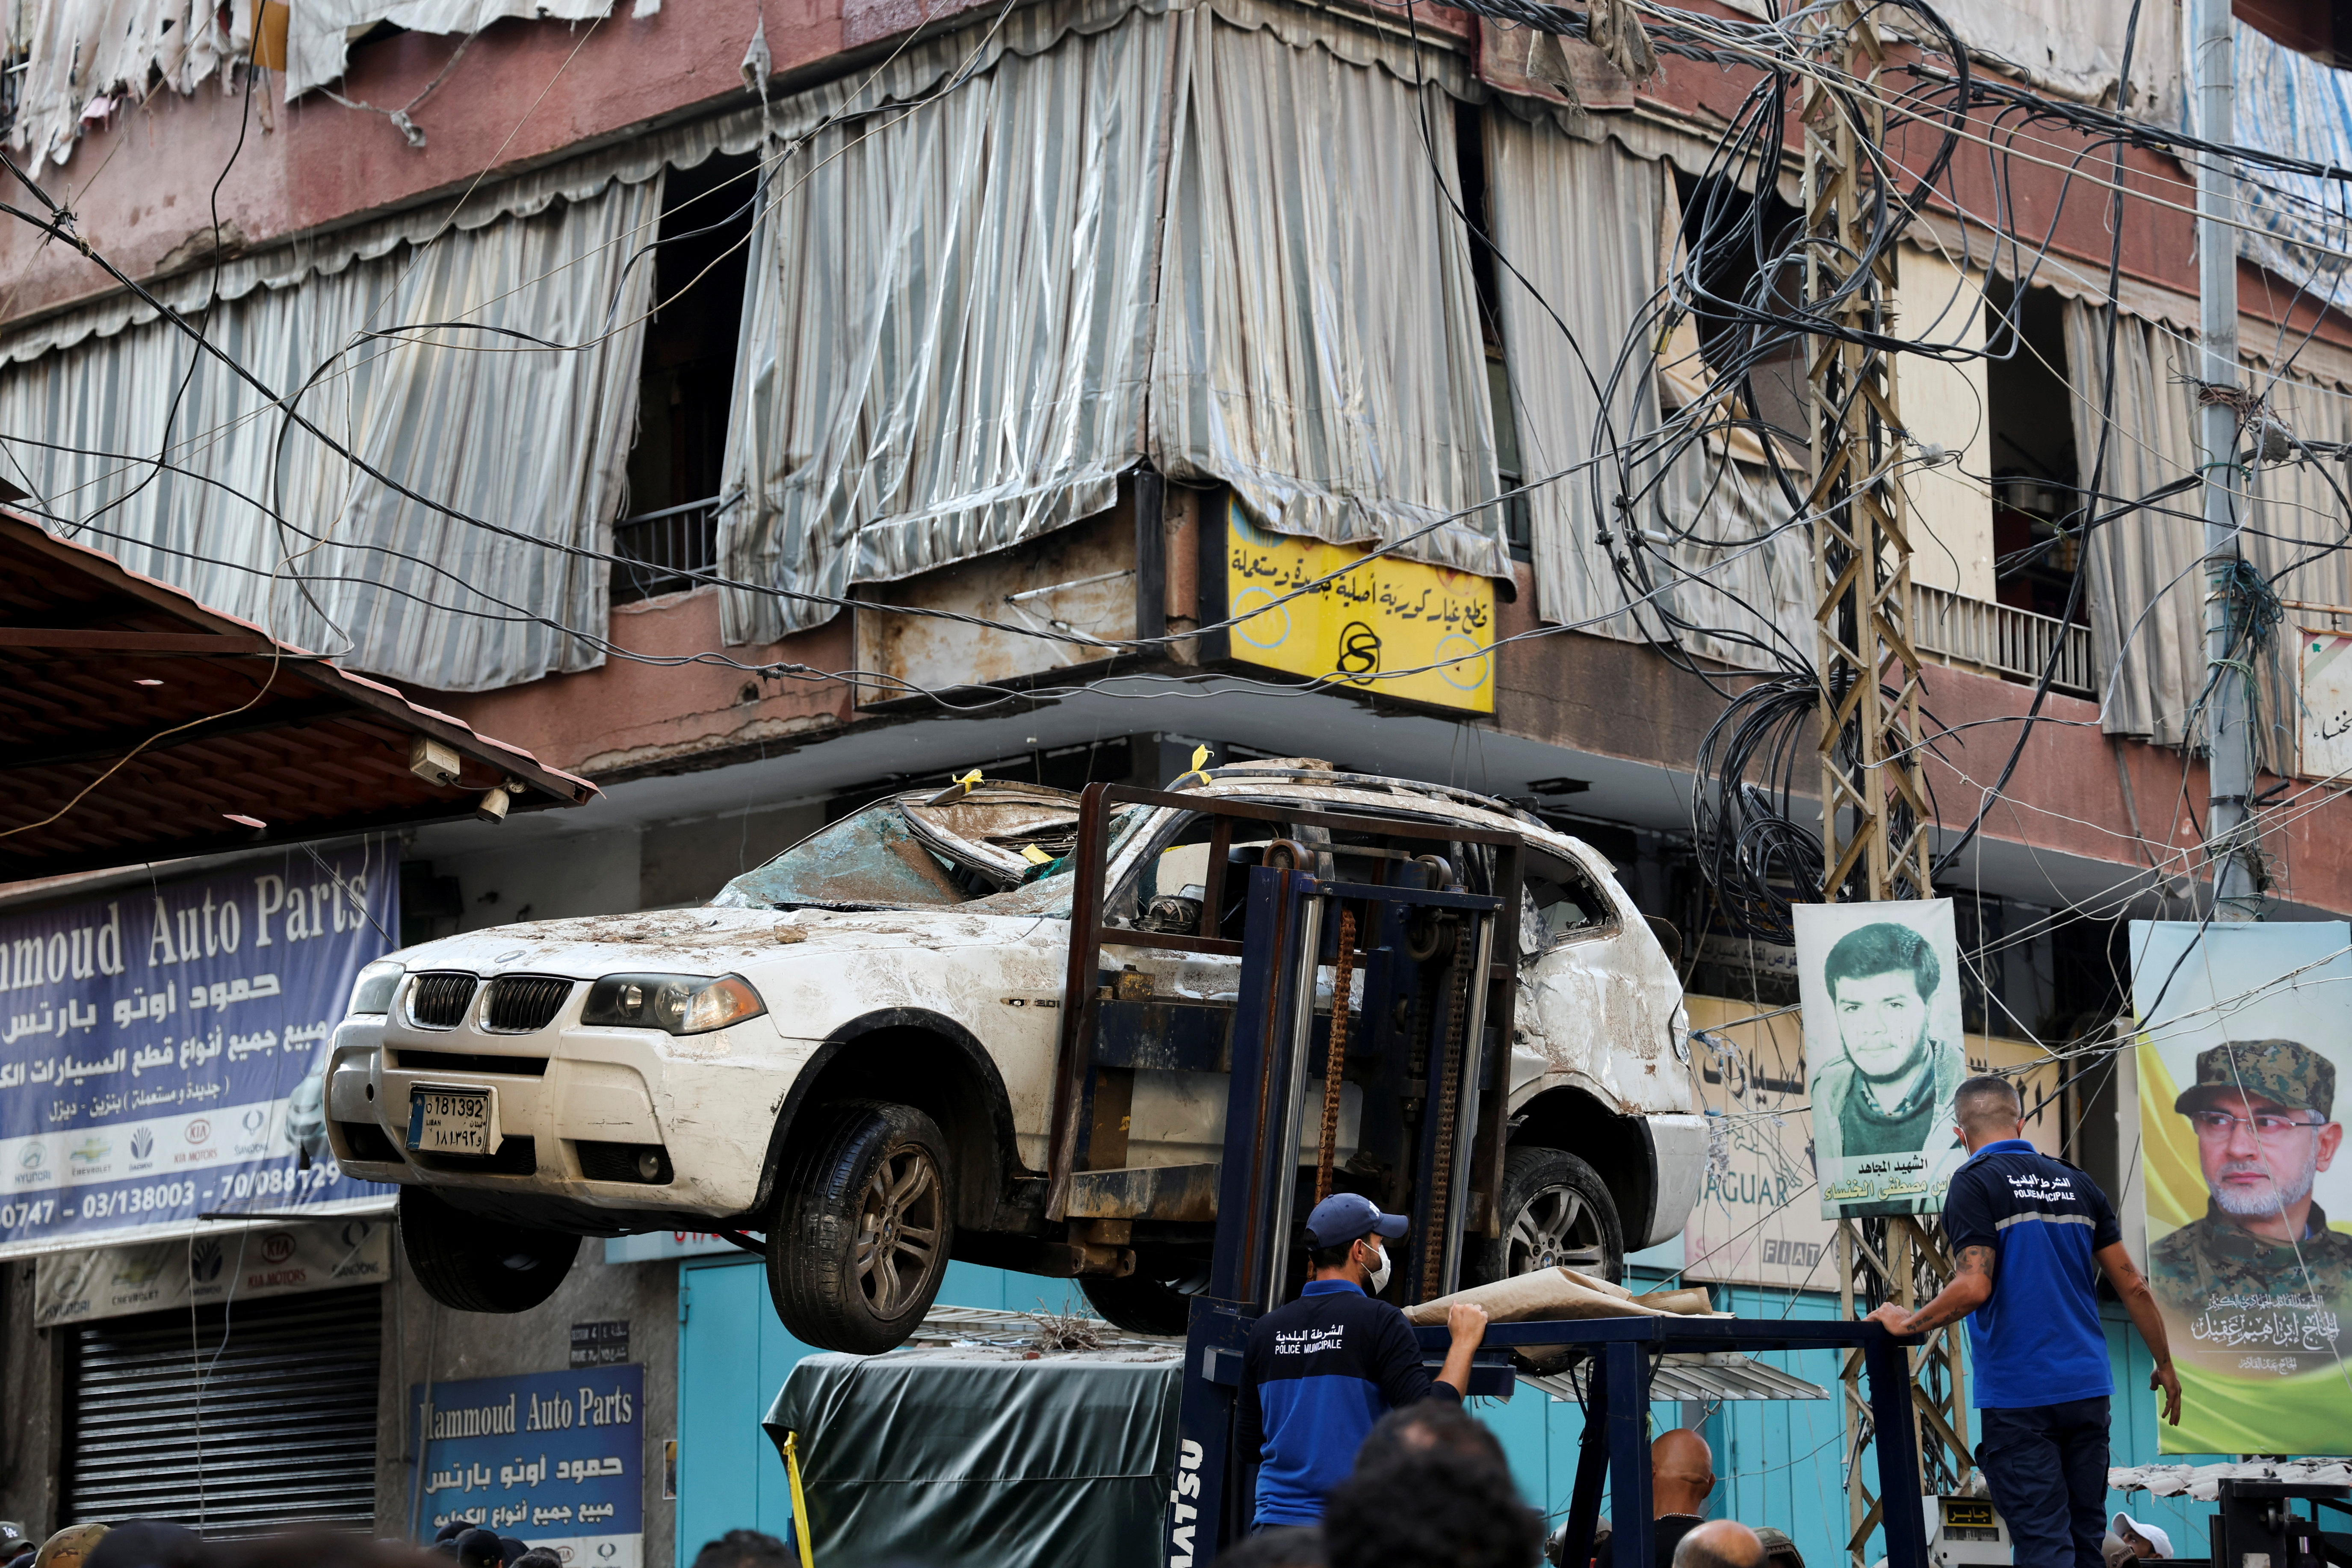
(2003,641)
(661,551)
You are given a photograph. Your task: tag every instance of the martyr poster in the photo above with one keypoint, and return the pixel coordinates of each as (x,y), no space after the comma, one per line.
(2242,1033)
(162,1049)
(1880,986)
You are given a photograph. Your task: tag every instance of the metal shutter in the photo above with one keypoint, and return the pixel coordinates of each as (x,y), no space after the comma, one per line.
(284,1431)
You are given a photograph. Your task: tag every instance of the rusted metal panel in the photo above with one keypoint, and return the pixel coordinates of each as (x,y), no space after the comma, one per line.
(1079,998)
(1147,1192)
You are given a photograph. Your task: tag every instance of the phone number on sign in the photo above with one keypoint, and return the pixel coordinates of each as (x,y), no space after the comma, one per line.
(139,1200)
(277,1180)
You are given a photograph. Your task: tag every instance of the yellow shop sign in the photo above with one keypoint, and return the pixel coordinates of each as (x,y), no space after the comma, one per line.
(1393,627)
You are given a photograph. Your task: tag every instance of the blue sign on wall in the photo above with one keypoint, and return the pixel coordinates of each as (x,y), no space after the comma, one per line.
(553,1458)
(163,1048)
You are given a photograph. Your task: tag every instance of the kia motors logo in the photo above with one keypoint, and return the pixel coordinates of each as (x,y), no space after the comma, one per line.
(142,1143)
(276,1247)
(199,1131)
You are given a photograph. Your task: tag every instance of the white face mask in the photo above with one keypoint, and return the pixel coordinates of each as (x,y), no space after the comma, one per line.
(1381,1273)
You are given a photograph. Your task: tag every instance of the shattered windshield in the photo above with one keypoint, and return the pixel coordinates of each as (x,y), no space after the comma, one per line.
(1001,848)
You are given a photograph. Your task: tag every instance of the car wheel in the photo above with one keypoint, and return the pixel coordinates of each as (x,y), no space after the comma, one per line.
(1557,1212)
(478,1265)
(865,1219)
(1143,1305)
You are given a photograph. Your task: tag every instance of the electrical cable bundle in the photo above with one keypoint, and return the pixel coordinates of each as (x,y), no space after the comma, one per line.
(1761,295)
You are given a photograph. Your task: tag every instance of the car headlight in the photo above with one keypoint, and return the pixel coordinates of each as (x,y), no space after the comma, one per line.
(1678,1034)
(371,992)
(682,1003)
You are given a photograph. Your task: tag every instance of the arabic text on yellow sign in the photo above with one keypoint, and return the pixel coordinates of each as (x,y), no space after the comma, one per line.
(1397,628)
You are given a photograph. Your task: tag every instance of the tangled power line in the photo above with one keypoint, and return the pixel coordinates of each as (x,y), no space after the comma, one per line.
(1735,290)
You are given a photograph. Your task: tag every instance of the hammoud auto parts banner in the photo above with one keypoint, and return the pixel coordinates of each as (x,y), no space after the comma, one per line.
(162,1047)
(554,1457)
(2245,1047)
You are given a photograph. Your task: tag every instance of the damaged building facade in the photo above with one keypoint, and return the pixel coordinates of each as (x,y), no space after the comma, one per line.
(760,413)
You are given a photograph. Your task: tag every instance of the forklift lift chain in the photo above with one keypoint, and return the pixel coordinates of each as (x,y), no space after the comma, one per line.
(1343,975)
(1449,1104)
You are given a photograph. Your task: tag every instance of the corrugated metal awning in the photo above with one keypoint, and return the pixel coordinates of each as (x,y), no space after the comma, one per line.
(143,726)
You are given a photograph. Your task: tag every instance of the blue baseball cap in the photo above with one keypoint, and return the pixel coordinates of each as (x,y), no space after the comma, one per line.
(1343,1216)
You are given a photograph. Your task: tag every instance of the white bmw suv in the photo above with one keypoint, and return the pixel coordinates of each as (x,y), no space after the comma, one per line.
(850,1052)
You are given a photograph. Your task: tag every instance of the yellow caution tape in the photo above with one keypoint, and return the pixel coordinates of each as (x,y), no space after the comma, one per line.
(800,1503)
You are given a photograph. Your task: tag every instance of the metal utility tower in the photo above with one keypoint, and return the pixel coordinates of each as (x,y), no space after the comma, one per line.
(1874,818)
(2232,844)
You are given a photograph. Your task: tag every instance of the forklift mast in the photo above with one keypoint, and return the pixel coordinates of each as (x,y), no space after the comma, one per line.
(1417,923)
(1416,1011)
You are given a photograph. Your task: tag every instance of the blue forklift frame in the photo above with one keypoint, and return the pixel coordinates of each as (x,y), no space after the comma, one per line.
(1286,940)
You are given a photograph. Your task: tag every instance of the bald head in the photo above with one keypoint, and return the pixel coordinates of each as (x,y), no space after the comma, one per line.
(1682,1473)
(1720,1543)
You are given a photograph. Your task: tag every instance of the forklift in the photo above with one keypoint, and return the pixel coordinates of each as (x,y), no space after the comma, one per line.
(1366,958)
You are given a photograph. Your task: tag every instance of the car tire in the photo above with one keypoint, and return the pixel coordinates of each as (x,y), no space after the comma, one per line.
(1142,1305)
(1557,1212)
(478,1265)
(864,1223)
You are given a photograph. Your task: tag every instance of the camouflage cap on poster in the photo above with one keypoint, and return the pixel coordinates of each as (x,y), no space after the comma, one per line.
(2284,1072)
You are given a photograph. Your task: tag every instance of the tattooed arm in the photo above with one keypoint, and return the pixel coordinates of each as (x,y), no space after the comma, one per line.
(1970,1287)
(2134,1292)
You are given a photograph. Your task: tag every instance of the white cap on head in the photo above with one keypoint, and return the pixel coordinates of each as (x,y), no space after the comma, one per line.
(2125,1525)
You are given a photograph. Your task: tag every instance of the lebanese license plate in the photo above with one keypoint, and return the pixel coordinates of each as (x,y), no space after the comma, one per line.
(449,1120)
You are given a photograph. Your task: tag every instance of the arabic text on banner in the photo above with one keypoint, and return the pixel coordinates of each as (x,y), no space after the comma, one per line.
(1394,628)
(163,1048)
(553,1458)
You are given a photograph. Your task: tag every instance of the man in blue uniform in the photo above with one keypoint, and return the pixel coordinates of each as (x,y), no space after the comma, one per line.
(2030,1235)
(1320,1371)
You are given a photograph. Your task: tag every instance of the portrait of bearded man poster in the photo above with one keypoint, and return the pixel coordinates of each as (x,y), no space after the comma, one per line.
(1880,987)
(2242,1049)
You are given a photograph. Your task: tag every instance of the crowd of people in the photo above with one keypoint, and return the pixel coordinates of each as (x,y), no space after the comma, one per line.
(1430,1486)
(159,1543)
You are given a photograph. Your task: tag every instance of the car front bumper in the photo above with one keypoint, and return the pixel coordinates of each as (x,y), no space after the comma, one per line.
(613,1119)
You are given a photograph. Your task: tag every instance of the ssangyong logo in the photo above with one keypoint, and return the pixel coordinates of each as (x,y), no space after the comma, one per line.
(142,1143)
(198,1131)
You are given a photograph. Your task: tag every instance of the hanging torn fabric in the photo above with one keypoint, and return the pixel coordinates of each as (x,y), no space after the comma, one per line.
(947,323)
(1318,340)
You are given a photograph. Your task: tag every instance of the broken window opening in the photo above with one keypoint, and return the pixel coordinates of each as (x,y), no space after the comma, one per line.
(1510,469)
(1733,238)
(677,467)
(2035,484)
(1560,905)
